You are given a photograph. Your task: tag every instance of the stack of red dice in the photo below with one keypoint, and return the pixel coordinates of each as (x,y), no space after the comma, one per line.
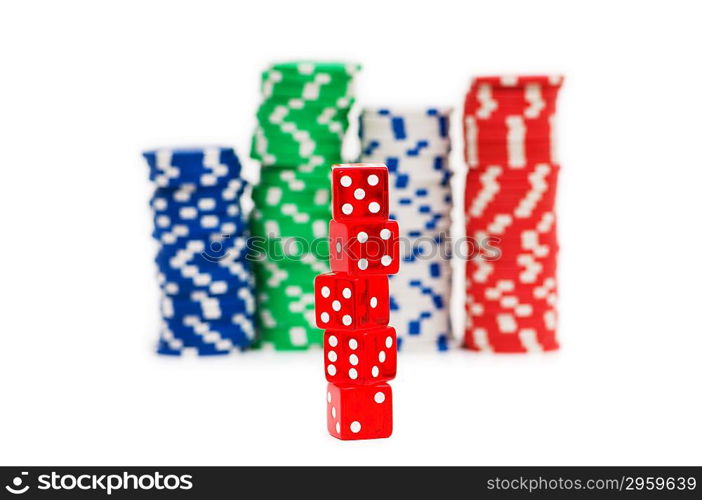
(352,304)
(510,213)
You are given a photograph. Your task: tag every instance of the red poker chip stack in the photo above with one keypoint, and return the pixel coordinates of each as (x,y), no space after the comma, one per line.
(510,213)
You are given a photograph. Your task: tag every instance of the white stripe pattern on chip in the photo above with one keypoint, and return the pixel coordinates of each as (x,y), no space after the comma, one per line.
(274,77)
(482,272)
(516,133)
(531,268)
(532,94)
(538,188)
(163,163)
(527,336)
(480,339)
(500,223)
(208,336)
(509,80)
(487,103)
(211,162)
(489,188)
(291,210)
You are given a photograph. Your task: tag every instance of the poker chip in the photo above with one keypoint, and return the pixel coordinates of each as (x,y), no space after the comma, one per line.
(192,334)
(415,144)
(206,281)
(210,166)
(285,302)
(422,208)
(189,200)
(301,124)
(511,287)
(167,227)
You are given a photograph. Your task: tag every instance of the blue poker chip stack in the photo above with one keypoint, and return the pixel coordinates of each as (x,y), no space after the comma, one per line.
(207,292)
(415,145)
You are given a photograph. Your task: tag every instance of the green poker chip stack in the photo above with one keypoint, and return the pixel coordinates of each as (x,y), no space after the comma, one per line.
(301,124)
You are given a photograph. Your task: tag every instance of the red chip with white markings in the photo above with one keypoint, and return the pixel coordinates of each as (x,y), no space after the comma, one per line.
(511,185)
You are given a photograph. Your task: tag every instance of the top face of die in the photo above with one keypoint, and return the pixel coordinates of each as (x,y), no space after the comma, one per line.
(359,191)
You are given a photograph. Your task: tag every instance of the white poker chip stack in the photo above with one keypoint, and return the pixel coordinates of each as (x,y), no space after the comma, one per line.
(415,144)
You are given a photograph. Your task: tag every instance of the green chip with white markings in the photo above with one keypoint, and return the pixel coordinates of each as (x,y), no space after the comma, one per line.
(302,122)
(301,68)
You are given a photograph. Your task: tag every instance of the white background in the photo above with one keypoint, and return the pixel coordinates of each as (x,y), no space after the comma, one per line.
(86,86)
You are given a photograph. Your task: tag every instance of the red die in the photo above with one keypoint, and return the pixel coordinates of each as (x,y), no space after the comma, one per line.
(343,302)
(361,412)
(364,247)
(360,357)
(360,190)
